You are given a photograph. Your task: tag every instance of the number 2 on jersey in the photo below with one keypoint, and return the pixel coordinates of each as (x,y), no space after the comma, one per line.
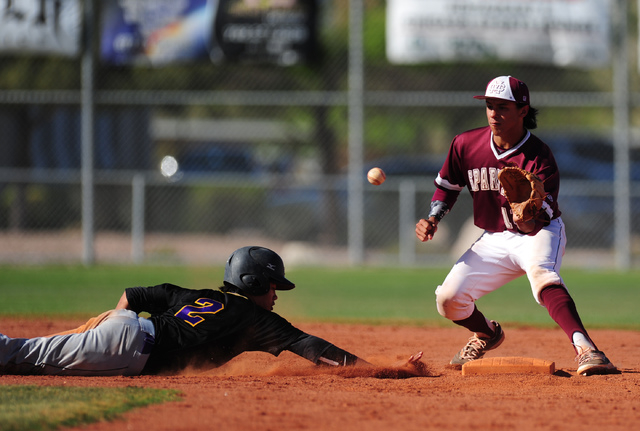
(191,313)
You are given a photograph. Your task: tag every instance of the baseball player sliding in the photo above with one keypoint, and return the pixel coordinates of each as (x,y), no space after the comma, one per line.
(198,328)
(512,245)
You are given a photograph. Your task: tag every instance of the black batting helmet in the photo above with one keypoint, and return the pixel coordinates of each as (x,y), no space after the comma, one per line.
(252,270)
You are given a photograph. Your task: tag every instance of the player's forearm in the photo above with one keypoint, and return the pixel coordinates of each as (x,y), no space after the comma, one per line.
(337,357)
(438,210)
(361,362)
(123,303)
(322,352)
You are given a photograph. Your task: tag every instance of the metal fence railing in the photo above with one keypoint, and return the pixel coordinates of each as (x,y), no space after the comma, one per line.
(278,155)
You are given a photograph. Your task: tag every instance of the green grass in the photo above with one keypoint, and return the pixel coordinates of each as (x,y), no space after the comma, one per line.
(367,295)
(32,407)
(605,299)
(80,290)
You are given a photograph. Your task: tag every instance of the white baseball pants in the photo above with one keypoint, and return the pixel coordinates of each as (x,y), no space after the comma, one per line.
(497,258)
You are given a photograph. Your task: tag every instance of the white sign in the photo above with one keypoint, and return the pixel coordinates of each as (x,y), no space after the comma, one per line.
(42,26)
(560,32)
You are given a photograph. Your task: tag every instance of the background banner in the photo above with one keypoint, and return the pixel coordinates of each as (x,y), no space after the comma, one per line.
(31,26)
(559,32)
(275,31)
(158,32)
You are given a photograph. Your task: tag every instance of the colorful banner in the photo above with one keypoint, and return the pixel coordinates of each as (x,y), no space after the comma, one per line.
(45,26)
(560,32)
(158,32)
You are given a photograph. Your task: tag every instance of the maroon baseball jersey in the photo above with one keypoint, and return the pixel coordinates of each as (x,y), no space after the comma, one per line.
(474,161)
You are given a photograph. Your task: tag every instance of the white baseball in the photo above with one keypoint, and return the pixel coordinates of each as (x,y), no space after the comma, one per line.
(376,176)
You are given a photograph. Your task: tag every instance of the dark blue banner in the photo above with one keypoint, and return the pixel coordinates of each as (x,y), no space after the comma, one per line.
(158,32)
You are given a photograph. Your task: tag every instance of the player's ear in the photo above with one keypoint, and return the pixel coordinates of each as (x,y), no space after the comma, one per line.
(524,111)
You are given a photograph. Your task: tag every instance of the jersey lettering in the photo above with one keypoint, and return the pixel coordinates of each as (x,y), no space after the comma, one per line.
(494,183)
(474,179)
(484,179)
(191,313)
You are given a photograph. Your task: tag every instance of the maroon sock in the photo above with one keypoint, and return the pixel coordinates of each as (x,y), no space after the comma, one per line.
(563,310)
(476,323)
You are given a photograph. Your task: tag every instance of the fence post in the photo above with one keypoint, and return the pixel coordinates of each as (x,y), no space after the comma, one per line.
(87,124)
(407,211)
(621,136)
(137,218)
(356,132)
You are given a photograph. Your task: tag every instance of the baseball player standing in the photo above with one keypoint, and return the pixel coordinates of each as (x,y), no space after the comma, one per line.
(198,328)
(509,247)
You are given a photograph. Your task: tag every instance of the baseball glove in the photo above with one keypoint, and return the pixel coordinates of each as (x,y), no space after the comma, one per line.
(524,192)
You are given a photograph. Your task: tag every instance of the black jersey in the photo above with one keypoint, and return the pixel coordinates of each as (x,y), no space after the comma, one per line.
(209,327)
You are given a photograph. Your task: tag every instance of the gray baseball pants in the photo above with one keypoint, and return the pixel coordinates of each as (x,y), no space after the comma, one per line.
(118,346)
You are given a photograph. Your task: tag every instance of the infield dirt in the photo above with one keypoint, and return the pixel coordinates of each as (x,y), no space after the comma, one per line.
(256,391)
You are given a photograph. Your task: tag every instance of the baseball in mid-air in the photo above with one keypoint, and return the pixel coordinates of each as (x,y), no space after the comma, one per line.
(376,176)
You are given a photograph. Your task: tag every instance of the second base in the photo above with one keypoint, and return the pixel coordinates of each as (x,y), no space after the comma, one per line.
(509,365)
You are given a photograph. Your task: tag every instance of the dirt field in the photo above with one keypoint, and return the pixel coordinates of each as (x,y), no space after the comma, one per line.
(258,392)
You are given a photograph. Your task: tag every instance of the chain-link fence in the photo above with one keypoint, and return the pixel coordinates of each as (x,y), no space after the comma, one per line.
(194,160)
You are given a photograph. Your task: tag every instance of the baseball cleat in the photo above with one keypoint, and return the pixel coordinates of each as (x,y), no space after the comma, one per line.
(592,362)
(477,347)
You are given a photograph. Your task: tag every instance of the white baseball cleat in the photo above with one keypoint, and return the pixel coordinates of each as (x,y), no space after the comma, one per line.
(477,347)
(593,361)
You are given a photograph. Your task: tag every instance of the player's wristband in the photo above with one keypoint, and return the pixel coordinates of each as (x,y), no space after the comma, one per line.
(336,357)
(438,210)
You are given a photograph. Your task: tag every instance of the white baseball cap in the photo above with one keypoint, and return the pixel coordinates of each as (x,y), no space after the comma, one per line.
(507,88)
